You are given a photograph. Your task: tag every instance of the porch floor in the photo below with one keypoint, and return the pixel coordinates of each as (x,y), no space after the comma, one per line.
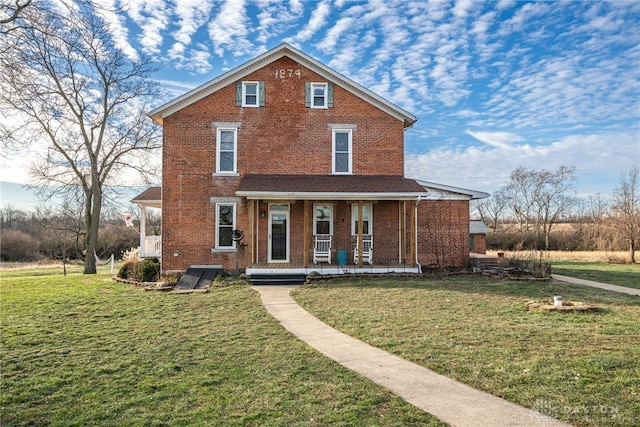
(329,269)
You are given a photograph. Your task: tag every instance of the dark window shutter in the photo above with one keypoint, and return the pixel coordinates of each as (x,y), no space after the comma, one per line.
(261,94)
(239,94)
(307,94)
(330,95)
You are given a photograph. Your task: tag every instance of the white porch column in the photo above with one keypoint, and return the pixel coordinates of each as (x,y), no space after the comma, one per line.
(143,231)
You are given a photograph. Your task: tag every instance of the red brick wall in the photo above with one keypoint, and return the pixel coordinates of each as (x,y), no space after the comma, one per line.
(480,244)
(443,232)
(283,137)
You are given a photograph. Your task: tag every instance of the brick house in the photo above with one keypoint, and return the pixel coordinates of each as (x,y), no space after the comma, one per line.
(283,163)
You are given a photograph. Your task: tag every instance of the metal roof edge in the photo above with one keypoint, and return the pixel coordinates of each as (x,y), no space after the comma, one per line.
(473,194)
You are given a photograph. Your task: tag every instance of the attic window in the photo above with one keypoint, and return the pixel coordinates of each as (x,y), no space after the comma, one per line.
(250,94)
(318,95)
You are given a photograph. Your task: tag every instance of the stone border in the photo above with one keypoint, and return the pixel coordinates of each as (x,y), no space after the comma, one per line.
(566,307)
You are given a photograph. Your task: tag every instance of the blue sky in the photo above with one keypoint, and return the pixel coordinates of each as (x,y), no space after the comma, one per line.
(496,85)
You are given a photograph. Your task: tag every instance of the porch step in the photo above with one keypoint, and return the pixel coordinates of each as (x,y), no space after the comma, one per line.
(278,279)
(489,262)
(198,277)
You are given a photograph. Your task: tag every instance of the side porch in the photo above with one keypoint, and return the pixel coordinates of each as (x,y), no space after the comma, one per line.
(150,245)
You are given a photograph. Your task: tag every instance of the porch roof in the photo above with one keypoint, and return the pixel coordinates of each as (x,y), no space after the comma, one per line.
(151,197)
(334,187)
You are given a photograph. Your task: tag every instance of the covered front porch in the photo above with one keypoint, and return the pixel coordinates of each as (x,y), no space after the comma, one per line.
(332,225)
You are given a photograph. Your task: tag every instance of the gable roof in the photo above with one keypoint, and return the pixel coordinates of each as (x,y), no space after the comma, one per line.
(334,187)
(285,49)
(442,191)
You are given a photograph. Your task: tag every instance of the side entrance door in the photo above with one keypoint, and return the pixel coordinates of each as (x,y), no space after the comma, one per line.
(279,233)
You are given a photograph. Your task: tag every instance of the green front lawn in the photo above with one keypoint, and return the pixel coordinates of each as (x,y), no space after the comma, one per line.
(83,350)
(614,274)
(583,368)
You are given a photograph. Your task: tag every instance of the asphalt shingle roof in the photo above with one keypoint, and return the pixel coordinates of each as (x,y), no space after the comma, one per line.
(329,184)
(151,194)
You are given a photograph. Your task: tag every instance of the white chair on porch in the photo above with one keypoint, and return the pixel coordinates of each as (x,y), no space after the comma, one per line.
(367,250)
(322,249)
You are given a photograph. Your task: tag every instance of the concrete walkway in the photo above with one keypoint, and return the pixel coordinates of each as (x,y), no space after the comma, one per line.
(615,288)
(447,399)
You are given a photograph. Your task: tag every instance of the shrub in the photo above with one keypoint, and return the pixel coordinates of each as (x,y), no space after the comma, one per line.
(149,269)
(123,273)
(18,246)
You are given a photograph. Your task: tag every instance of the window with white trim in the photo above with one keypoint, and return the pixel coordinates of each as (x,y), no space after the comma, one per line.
(323,219)
(318,95)
(225,224)
(250,94)
(227,150)
(367,215)
(341,151)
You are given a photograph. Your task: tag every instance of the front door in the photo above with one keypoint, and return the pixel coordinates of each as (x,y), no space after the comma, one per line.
(279,233)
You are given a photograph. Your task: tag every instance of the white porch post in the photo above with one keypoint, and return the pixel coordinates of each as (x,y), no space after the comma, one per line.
(143,232)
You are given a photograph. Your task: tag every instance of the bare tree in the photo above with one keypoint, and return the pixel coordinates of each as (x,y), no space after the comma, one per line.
(71,95)
(10,10)
(540,199)
(626,209)
(491,209)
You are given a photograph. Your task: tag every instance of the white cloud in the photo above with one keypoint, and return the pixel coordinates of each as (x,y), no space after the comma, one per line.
(486,168)
(328,43)
(275,18)
(116,26)
(497,139)
(153,18)
(191,16)
(318,19)
(229,29)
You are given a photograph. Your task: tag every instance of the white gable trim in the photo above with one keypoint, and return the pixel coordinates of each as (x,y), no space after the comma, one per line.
(285,49)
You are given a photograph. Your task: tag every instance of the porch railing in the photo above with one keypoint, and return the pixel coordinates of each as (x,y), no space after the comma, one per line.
(152,246)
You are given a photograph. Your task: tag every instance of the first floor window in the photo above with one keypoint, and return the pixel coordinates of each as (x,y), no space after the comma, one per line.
(227,146)
(323,219)
(367,223)
(225,224)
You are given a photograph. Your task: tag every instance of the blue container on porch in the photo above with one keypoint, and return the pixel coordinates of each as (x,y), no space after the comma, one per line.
(342,257)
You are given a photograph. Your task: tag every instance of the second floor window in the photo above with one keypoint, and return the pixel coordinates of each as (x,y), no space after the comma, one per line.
(342,151)
(318,95)
(250,94)
(226,150)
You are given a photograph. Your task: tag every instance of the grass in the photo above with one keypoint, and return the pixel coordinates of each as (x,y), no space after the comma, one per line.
(582,368)
(614,274)
(83,350)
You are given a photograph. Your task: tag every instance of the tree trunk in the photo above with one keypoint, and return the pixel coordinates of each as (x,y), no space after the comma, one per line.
(93,206)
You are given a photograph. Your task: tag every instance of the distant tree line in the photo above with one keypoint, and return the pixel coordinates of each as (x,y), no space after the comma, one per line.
(540,210)
(58,233)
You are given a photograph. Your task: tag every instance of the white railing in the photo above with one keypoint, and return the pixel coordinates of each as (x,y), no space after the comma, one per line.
(152,246)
